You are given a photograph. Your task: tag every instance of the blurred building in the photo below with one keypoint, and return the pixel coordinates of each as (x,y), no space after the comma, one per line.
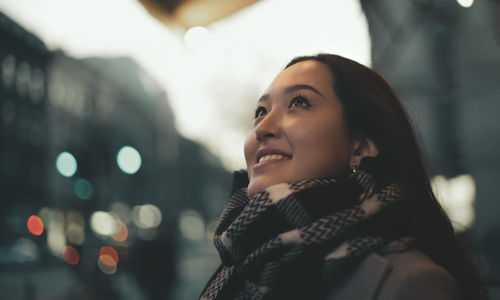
(90,148)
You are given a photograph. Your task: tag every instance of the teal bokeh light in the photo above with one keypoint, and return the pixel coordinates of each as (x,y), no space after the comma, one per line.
(83,189)
(129,160)
(66,164)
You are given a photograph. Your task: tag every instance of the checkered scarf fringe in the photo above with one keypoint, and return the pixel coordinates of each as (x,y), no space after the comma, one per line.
(253,273)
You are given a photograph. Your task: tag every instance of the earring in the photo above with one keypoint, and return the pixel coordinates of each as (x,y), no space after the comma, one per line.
(354,168)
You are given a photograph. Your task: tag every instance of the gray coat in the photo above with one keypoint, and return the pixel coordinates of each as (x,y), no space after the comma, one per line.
(396,272)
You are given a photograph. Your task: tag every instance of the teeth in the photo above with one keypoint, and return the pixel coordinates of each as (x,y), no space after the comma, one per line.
(273,157)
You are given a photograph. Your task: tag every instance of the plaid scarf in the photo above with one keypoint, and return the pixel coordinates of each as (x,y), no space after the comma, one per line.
(284,242)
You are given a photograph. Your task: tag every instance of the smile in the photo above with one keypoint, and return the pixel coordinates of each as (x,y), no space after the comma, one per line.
(273,157)
(270,159)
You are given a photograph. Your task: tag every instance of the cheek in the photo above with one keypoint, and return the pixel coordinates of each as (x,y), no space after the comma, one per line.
(324,149)
(250,149)
(316,136)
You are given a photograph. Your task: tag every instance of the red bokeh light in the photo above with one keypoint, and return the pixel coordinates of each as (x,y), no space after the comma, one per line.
(35,225)
(70,255)
(108,256)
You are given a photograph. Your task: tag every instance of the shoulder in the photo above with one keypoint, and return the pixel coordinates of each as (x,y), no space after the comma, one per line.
(413,275)
(396,271)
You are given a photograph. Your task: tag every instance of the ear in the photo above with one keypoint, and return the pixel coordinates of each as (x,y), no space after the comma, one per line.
(363,147)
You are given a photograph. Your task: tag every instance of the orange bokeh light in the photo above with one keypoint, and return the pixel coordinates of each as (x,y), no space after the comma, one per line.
(107,260)
(108,256)
(110,270)
(122,232)
(35,225)
(70,255)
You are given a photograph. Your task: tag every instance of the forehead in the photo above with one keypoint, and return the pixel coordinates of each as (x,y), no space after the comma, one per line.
(308,72)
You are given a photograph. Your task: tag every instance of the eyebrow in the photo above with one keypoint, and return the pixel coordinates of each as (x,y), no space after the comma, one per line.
(293,88)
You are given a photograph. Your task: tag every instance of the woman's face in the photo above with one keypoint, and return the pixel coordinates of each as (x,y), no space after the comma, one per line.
(299,130)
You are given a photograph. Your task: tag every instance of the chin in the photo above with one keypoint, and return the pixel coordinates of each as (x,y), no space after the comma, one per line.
(253,189)
(258,185)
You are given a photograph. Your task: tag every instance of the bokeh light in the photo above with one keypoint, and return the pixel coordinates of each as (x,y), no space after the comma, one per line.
(146,216)
(121,232)
(106,269)
(45,215)
(108,256)
(35,225)
(122,210)
(103,223)
(129,160)
(196,37)
(457,196)
(70,255)
(75,231)
(56,238)
(66,164)
(191,225)
(83,189)
(465,3)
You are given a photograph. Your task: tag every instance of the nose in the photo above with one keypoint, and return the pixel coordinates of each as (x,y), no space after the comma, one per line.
(268,127)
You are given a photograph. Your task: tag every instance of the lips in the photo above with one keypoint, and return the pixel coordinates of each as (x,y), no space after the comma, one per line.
(271,151)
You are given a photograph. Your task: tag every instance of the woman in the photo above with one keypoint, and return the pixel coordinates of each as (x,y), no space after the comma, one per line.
(336,202)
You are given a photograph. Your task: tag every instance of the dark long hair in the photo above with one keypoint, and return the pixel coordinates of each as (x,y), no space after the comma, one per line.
(372,110)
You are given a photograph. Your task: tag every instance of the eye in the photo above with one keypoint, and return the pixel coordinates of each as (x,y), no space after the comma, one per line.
(299,101)
(260,112)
